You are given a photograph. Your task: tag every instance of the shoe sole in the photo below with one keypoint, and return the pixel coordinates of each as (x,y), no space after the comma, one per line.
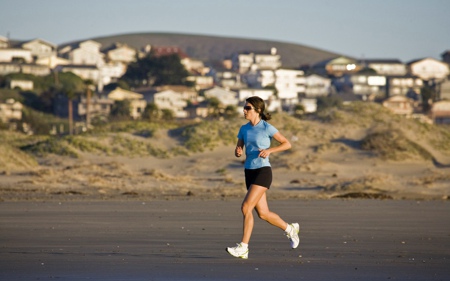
(242,257)
(298,231)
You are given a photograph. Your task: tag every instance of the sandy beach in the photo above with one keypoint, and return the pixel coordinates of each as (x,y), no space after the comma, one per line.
(185,240)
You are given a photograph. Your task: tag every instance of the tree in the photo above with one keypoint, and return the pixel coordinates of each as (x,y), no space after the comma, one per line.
(71,86)
(151,112)
(156,71)
(428,94)
(230,112)
(167,115)
(214,106)
(121,109)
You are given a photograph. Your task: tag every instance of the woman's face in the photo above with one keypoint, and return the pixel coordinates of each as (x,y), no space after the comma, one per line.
(250,112)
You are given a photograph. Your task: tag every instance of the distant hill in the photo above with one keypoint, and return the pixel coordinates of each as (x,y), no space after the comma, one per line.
(215,48)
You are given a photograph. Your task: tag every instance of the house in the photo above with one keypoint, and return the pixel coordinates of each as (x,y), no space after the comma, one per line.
(402,85)
(194,66)
(225,97)
(399,105)
(309,105)
(15,55)
(169,99)
(290,84)
(229,79)
(246,61)
(337,67)
(85,72)
(52,61)
(198,110)
(28,68)
(39,48)
(137,101)
(368,85)
(10,110)
(99,107)
(201,82)
(84,53)
(440,112)
(317,86)
(429,69)
(119,52)
(385,67)
(24,85)
(160,51)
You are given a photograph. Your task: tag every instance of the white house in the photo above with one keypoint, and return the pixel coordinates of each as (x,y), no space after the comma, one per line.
(317,86)
(401,85)
(15,55)
(429,69)
(386,66)
(224,96)
(367,85)
(169,99)
(86,53)
(290,84)
(440,112)
(40,48)
(21,84)
(119,52)
(85,72)
(247,61)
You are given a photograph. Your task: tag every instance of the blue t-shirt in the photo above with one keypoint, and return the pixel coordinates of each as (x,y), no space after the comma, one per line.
(255,138)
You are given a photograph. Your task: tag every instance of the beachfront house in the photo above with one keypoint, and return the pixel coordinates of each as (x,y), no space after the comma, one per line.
(429,69)
(225,97)
(137,101)
(402,85)
(39,48)
(170,100)
(337,66)
(246,61)
(440,112)
(399,105)
(385,67)
(83,53)
(317,86)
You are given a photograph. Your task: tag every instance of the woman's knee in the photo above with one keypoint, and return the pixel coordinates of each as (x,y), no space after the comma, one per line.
(263,215)
(246,208)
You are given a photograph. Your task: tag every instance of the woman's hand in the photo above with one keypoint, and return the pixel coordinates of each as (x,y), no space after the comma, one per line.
(264,153)
(238,151)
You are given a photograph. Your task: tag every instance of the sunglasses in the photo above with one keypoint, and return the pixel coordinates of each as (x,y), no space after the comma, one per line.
(248,108)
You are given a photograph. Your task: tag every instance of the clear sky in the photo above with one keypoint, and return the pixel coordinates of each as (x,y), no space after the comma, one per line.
(399,29)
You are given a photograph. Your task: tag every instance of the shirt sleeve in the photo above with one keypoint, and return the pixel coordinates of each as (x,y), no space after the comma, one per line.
(271,130)
(240,134)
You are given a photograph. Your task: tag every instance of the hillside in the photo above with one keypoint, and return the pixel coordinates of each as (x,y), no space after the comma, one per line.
(215,48)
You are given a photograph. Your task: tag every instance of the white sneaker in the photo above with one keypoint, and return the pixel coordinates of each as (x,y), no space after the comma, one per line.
(293,235)
(238,251)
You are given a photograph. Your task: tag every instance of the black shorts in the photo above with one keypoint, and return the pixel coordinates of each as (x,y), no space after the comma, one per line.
(261,176)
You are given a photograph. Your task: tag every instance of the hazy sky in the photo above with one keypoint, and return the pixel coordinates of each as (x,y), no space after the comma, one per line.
(401,29)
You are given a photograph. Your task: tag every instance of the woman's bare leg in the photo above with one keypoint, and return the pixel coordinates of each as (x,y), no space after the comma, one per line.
(254,194)
(262,208)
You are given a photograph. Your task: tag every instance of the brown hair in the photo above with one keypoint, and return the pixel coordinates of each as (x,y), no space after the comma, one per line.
(259,106)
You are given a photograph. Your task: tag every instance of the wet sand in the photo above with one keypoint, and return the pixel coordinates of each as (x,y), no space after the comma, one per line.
(186,240)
